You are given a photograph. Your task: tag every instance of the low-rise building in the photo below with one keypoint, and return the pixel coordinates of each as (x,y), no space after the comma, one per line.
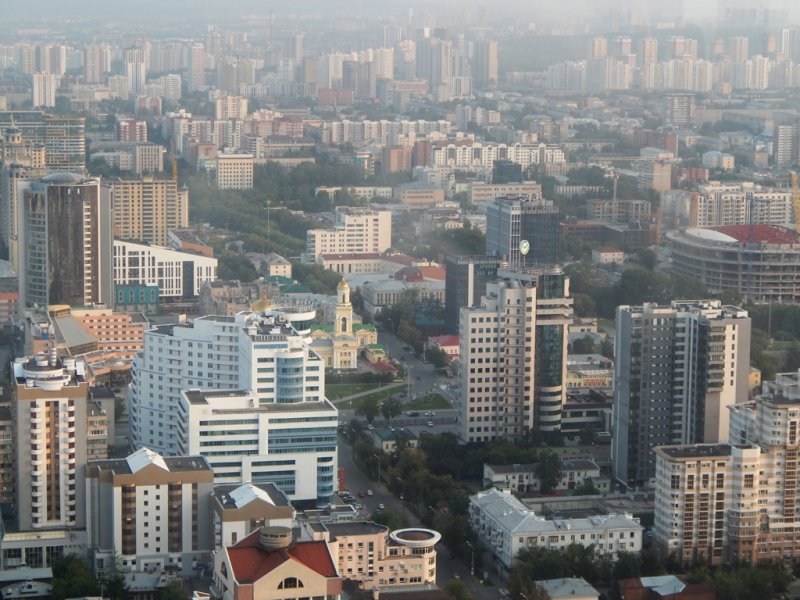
(608,256)
(571,588)
(371,555)
(523,478)
(506,526)
(449,344)
(390,439)
(269,563)
(480,192)
(151,513)
(384,294)
(587,372)
(419,195)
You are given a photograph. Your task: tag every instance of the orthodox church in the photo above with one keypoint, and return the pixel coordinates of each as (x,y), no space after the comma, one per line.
(340,343)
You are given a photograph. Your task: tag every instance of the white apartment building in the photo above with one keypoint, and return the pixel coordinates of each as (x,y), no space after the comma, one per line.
(480,193)
(249,351)
(513,349)
(230,108)
(290,444)
(355,231)
(177,274)
(740,203)
(506,526)
(151,513)
(483,155)
(234,171)
(217,353)
(43,92)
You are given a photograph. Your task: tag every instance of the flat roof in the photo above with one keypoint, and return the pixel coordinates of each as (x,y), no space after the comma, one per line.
(697,450)
(72,331)
(349,528)
(121,466)
(757,233)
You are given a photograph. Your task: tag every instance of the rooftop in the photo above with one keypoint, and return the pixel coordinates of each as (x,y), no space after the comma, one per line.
(567,587)
(346,529)
(237,496)
(770,234)
(250,562)
(144,457)
(697,450)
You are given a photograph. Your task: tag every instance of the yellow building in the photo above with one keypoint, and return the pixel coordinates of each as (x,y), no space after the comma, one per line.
(339,344)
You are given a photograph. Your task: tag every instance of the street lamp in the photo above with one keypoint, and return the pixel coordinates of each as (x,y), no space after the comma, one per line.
(379,467)
(471,559)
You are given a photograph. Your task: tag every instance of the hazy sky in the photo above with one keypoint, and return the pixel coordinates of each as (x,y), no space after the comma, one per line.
(537,9)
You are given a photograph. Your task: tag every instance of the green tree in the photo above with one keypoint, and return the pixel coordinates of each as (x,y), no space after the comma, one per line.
(369,408)
(458,590)
(584,304)
(586,488)
(437,357)
(390,518)
(391,408)
(72,578)
(173,591)
(548,470)
(236,266)
(584,345)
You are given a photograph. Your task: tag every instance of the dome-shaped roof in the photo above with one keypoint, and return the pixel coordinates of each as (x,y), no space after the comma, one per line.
(343,285)
(63,178)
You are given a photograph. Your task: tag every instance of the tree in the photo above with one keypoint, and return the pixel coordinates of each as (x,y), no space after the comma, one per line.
(173,591)
(72,578)
(585,306)
(391,408)
(390,518)
(586,488)
(584,345)
(458,590)
(548,470)
(437,357)
(236,266)
(369,408)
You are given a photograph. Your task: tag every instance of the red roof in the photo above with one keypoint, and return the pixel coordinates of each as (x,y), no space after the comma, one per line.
(445,340)
(771,234)
(250,562)
(432,273)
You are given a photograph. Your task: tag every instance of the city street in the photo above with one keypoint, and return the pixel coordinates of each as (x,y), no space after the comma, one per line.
(447,568)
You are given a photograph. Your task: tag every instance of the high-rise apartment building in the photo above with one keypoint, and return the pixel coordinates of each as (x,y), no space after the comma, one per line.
(96,63)
(131,130)
(49,411)
(217,353)
(466,278)
(20,162)
(196,76)
(190,377)
(135,70)
(786,143)
(648,53)
(355,231)
(234,171)
(679,109)
(513,353)
(736,501)
(145,209)
(511,220)
(43,90)
(678,368)
(485,63)
(65,242)
(151,513)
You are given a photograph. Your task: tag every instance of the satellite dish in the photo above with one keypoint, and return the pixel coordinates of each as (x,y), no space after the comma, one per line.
(524,247)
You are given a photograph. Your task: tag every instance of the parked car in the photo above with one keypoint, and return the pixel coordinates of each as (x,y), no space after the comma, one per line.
(430,423)
(370,493)
(381,507)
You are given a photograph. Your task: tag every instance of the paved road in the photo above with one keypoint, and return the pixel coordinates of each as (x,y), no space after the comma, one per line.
(446,567)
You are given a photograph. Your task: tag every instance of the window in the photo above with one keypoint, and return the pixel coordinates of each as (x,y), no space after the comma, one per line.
(290,583)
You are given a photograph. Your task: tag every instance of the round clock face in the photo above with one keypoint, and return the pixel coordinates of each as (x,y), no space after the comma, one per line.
(524,247)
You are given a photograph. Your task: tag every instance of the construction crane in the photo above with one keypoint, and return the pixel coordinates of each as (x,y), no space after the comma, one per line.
(795,199)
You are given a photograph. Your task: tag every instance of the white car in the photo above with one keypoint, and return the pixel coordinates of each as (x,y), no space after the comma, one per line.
(381,507)
(430,423)
(370,493)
